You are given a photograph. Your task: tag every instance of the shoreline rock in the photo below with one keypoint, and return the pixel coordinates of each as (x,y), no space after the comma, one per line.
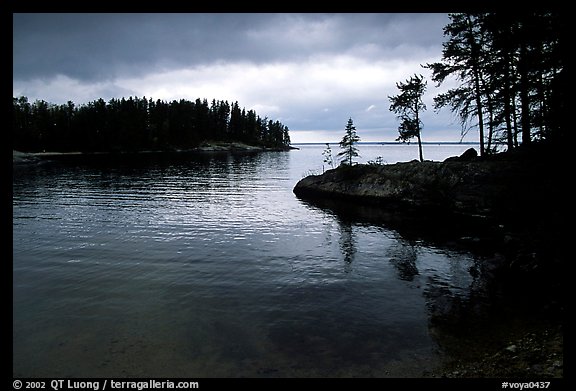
(24,158)
(508,186)
(534,353)
(237,147)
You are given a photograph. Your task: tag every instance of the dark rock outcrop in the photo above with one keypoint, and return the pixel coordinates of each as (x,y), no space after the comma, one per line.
(502,187)
(467,155)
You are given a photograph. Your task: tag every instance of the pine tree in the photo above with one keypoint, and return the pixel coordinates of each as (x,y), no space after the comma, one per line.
(462,56)
(349,151)
(327,153)
(408,105)
(507,66)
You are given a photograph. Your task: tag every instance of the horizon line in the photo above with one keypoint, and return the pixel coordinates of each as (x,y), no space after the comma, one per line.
(391,142)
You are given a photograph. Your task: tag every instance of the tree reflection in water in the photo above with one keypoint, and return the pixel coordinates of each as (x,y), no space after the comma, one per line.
(347,244)
(403,256)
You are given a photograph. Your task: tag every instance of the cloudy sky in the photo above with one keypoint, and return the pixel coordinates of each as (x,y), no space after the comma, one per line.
(310,71)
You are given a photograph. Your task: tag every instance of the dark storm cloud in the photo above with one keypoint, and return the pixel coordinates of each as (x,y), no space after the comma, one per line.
(102,46)
(310,71)
(105,46)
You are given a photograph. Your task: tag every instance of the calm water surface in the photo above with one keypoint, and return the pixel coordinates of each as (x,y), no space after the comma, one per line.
(211,267)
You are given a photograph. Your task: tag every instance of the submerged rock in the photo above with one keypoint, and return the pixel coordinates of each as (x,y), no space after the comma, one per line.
(536,354)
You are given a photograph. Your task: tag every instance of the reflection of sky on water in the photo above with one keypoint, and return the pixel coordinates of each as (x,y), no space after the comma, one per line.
(214,268)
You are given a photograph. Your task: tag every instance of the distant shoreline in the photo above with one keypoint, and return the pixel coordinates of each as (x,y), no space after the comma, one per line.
(395,143)
(18,156)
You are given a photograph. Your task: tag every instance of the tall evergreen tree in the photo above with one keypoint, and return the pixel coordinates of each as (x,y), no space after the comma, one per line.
(462,56)
(508,66)
(348,143)
(408,105)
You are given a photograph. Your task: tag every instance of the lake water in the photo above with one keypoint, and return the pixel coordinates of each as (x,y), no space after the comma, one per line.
(210,267)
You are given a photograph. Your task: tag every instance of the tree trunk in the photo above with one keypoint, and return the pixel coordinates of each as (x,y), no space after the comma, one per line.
(490,123)
(524,96)
(420,148)
(476,73)
(479,108)
(419,138)
(350,155)
(515,120)
(507,102)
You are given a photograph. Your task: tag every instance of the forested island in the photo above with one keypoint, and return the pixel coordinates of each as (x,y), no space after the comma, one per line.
(139,124)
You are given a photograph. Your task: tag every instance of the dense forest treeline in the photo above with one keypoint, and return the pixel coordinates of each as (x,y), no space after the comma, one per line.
(510,69)
(138,124)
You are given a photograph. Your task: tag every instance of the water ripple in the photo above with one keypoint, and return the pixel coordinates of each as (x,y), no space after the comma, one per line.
(213,267)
